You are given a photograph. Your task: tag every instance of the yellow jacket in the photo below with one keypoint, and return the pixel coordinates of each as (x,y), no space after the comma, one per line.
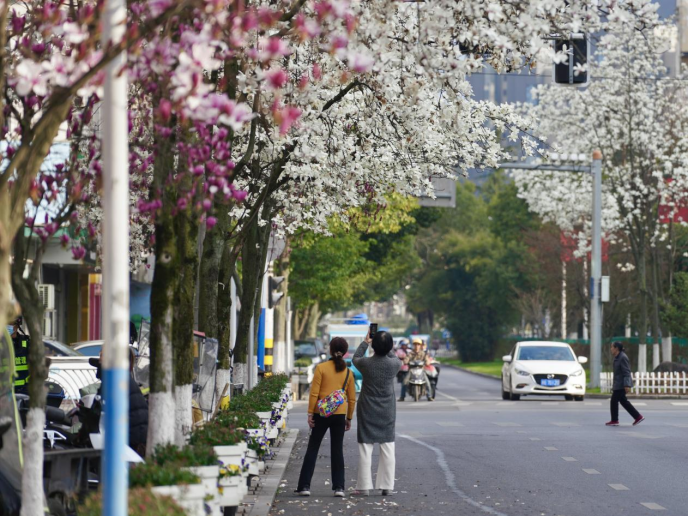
(325,381)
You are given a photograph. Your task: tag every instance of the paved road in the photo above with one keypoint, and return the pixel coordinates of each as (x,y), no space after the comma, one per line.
(470,453)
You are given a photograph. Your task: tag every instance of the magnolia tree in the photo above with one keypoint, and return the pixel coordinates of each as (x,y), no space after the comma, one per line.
(636,114)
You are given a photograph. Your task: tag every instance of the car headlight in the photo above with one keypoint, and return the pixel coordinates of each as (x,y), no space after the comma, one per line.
(577,373)
(522,373)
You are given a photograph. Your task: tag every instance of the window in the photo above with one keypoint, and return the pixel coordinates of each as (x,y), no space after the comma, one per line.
(91,351)
(545,353)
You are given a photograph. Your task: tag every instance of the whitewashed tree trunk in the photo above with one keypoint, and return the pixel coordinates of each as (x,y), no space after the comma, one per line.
(222,377)
(240,374)
(32,475)
(183,415)
(161,420)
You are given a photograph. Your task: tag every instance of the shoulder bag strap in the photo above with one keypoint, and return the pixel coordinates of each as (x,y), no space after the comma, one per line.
(344,386)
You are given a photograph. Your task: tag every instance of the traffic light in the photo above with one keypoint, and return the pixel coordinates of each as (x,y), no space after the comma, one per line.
(576,46)
(273,295)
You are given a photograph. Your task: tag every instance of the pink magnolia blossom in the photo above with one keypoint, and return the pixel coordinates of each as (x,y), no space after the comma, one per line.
(360,63)
(276,78)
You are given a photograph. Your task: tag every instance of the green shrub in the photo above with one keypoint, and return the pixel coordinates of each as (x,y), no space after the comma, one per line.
(216,433)
(142,501)
(188,456)
(151,474)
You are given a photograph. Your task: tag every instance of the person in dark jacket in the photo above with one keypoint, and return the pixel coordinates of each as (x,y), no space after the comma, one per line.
(621,384)
(138,407)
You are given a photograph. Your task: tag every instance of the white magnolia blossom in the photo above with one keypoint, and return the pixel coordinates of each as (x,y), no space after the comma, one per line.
(413,115)
(636,114)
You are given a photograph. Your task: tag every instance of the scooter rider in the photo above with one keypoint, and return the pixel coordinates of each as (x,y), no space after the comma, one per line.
(402,353)
(418,354)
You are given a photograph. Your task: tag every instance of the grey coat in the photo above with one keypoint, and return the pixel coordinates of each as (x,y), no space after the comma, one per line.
(376,409)
(621,372)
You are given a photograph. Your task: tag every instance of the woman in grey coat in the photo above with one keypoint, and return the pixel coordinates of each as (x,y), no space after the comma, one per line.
(621,384)
(376,411)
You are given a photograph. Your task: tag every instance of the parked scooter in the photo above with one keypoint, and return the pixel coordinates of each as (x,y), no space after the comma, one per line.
(417,380)
(433,377)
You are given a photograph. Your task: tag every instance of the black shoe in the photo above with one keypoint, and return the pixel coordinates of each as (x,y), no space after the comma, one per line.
(385,492)
(401,399)
(306,492)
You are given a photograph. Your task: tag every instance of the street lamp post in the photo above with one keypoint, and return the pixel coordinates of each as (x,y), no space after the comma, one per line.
(595,169)
(115,266)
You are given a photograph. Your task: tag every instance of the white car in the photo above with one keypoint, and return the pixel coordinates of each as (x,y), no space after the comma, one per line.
(543,368)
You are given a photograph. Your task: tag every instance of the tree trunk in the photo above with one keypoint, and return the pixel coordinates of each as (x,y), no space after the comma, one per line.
(209,270)
(32,310)
(183,331)
(161,402)
(643,314)
(312,322)
(228,265)
(300,318)
(281,346)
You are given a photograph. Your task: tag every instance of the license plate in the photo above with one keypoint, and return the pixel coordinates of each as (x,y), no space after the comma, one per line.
(550,382)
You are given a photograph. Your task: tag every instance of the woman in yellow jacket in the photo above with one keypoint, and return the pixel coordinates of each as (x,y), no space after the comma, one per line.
(329,376)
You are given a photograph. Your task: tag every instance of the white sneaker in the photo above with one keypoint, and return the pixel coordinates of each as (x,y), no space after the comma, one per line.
(339,493)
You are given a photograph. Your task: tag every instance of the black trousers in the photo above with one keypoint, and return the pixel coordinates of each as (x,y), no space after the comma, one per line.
(336,424)
(620,397)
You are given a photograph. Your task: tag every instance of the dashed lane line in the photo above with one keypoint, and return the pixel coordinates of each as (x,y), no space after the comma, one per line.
(550,448)
(507,424)
(566,424)
(617,486)
(569,458)
(450,477)
(653,506)
(674,404)
(591,471)
(641,435)
(449,424)
(534,439)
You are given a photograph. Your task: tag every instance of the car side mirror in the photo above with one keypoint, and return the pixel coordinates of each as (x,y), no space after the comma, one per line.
(582,359)
(507,358)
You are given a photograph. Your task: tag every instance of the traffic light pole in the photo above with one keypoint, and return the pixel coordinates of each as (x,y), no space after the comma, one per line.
(595,169)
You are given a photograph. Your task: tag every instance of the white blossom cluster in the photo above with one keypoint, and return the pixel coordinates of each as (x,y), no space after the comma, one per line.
(636,114)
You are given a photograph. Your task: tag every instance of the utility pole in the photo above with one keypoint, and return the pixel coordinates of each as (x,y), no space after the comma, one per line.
(596,271)
(115,266)
(595,169)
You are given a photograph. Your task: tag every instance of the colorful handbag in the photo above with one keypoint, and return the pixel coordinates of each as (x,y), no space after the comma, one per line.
(328,405)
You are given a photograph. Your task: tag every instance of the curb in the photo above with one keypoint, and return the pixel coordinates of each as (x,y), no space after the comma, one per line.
(261,503)
(588,395)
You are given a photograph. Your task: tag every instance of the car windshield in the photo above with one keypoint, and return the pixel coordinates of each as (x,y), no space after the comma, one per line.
(91,350)
(306,349)
(545,353)
(53,348)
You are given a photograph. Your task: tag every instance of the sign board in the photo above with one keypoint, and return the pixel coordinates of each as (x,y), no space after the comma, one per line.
(445,194)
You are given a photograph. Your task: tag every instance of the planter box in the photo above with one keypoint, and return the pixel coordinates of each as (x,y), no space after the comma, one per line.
(209,480)
(253,462)
(260,433)
(233,491)
(231,454)
(189,497)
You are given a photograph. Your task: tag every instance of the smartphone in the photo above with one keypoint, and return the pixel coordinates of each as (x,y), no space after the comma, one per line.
(373,329)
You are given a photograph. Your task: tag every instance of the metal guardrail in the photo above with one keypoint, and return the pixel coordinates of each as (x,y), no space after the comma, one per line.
(72,374)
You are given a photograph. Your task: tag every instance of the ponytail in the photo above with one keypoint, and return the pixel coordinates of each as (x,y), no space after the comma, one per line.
(338,348)
(619,345)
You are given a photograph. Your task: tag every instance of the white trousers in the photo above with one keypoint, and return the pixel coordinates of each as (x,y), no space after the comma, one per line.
(385,480)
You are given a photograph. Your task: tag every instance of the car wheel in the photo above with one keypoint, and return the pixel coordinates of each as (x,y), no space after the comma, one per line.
(579,398)
(569,397)
(505,394)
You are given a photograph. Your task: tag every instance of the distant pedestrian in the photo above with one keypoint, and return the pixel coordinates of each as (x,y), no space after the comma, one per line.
(329,377)
(376,412)
(401,354)
(621,384)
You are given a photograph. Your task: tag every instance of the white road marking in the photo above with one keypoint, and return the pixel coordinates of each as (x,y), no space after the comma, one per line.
(566,424)
(652,506)
(616,486)
(450,397)
(591,471)
(450,477)
(550,448)
(677,425)
(674,404)
(507,424)
(450,424)
(569,458)
(641,435)
(535,439)
(640,403)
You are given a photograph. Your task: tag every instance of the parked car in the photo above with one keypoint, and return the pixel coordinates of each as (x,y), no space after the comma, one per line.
(543,368)
(89,348)
(310,348)
(55,348)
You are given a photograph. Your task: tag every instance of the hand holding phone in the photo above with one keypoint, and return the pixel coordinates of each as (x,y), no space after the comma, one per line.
(373,328)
